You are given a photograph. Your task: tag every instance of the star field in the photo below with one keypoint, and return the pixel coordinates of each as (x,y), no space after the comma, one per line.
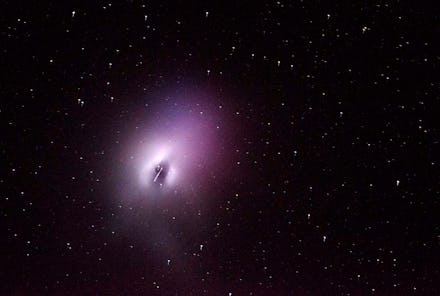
(224,148)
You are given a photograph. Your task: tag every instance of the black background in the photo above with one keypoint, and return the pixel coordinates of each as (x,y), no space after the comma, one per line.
(349,110)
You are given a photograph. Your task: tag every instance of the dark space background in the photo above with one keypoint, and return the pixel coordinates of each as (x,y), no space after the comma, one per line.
(333,179)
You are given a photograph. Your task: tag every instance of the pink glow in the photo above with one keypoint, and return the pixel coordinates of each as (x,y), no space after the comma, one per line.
(184,136)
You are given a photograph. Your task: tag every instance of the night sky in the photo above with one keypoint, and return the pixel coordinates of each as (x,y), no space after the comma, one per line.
(219,148)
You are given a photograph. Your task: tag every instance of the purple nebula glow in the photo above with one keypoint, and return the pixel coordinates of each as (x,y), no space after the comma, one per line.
(177,152)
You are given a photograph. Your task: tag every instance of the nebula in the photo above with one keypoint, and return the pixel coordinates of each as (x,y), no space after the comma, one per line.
(176,152)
